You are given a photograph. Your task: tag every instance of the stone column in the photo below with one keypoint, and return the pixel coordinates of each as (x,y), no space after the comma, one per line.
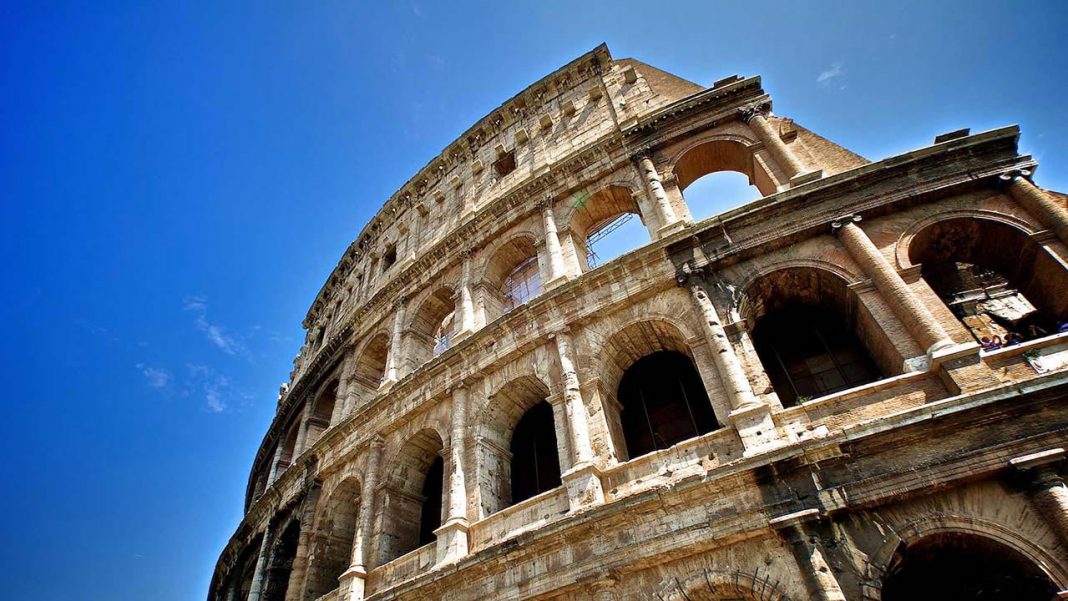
(452,535)
(557,270)
(356,575)
(393,358)
(465,307)
(298,573)
(669,222)
(273,475)
(749,416)
(1048,493)
(583,479)
(1050,213)
(259,575)
(344,380)
(810,554)
(302,432)
(604,589)
(755,117)
(905,305)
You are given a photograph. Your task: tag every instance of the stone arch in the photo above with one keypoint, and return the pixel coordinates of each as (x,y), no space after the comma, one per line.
(332,537)
(593,213)
(997,280)
(812,335)
(512,274)
(882,561)
(901,247)
(407,508)
(497,421)
(721,153)
(282,553)
(369,368)
(431,326)
(720,585)
(322,410)
(627,356)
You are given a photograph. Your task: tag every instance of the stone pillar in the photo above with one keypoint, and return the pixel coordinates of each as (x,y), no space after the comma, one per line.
(604,589)
(273,475)
(452,535)
(905,305)
(298,573)
(749,416)
(1050,213)
(260,573)
(343,382)
(810,554)
(755,117)
(669,222)
(583,479)
(557,270)
(302,432)
(1048,493)
(393,358)
(465,307)
(356,575)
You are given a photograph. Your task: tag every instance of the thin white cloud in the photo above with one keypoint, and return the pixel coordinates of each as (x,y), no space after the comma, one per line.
(155,377)
(215,333)
(211,384)
(827,75)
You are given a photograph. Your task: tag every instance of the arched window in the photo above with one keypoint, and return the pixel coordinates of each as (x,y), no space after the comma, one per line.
(413,497)
(664,403)
(523,284)
(517,452)
(1000,283)
(332,539)
(432,327)
(603,226)
(808,352)
(723,155)
(289,447)
(283,552)
(964,567)
(535,463)
(389,257)
(322,411)
(812,336)
(719,192)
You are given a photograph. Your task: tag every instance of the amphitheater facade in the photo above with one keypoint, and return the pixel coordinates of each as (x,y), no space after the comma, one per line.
(851,388)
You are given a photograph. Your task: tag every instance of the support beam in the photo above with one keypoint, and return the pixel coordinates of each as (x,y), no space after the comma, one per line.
(1051,214)
(583,480)
(755,117)
(669,222)
(452,535)
(355,578)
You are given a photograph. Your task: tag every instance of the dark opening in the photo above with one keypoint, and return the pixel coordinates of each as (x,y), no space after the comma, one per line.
(999,282)
(430,518)
(664,402)
(281,563)
(963,567)
(809,352)
(506,164)
(535,463)
(389,257)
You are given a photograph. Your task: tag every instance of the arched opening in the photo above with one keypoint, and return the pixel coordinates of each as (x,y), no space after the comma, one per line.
(389,257)
(651,389)
(663,403)
(717,193)
(289,448)
(535,463)
(283,552)
(512,278)
(322,411)
(811,336)
(241,582)
(1003,286)
(413,497)
(517,438)
(722,155)
(432,327)
(964,567)
(605,225)
(370,368)
(331,547)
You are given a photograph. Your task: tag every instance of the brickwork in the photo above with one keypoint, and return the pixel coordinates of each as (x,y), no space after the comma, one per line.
(816,481)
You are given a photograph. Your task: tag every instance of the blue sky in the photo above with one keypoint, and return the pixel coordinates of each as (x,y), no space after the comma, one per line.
(177,181)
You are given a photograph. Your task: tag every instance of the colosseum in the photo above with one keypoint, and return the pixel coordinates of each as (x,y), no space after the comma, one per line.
(852,388)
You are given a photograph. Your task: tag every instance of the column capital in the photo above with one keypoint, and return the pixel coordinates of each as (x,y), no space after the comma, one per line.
(376,442)
(642,152)
(1009,176)
(546,201)
(752,111)
(841,222)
